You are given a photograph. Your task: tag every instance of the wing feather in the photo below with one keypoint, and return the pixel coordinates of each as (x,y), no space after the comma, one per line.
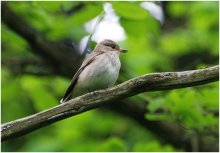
(91,57)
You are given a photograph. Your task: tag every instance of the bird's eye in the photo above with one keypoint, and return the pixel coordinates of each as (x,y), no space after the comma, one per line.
(113,47)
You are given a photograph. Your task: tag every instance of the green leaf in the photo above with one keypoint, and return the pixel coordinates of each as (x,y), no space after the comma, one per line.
(114,144)
(152,147)
(89,12)
(155,104)
(178,9)
(8,39)
(158,117)
(51,6)
(210,98)
(130,10)
(36,88)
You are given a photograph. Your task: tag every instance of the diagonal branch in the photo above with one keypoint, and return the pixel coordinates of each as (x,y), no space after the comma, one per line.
(149,82)
(57,52)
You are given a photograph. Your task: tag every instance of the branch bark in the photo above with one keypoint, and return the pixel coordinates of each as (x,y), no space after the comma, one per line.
(148,82)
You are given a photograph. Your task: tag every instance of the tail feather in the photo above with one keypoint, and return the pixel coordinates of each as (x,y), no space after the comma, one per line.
(64,99)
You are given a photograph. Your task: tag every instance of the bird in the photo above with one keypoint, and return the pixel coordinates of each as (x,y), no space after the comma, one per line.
(99,70)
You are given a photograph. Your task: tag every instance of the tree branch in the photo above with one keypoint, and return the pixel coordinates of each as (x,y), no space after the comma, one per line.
(58,52)
(149,82)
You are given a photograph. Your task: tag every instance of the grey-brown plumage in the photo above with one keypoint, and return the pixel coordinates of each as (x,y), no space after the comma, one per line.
(99,70)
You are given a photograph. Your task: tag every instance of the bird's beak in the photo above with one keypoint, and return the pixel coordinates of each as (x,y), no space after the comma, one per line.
(123,50)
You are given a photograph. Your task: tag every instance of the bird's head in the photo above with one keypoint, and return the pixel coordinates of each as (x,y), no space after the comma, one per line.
(109,45)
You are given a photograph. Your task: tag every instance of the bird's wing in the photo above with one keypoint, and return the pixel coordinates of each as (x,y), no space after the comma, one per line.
(91,57)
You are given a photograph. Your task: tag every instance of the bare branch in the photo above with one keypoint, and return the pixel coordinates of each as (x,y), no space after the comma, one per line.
(149,82)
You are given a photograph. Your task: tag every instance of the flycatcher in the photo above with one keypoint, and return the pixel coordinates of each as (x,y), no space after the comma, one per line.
(99,70)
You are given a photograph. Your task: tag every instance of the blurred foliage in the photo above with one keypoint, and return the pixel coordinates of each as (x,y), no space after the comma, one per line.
(188,39)
(177,106)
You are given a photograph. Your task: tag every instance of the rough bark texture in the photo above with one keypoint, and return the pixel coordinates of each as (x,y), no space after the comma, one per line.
(149,82)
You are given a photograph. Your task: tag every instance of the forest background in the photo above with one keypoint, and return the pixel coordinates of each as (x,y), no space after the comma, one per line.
(43,46)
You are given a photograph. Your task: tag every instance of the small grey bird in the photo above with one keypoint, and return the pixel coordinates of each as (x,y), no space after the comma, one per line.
(99,70)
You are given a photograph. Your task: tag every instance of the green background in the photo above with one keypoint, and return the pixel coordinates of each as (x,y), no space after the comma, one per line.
(188,39)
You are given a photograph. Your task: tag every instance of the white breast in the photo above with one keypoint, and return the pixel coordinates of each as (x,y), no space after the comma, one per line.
(101,73)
